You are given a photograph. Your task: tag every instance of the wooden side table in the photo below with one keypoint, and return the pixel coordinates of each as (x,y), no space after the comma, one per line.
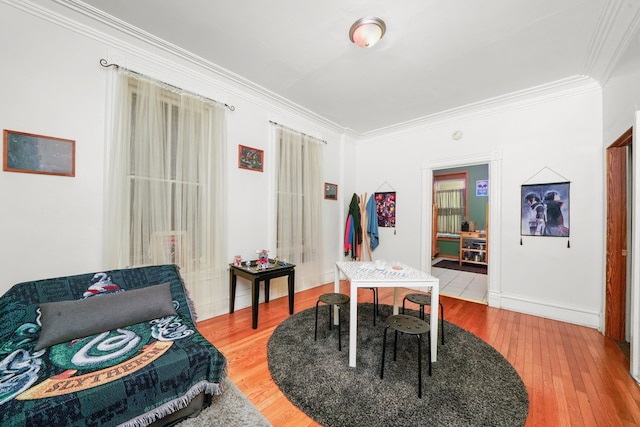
(255,276)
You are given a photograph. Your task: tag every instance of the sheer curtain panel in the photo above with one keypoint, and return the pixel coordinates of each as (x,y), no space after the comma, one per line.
(299,203)
(451,209)
(166,188)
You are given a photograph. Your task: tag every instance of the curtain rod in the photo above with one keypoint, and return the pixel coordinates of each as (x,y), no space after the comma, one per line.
(293,130)
(105,64)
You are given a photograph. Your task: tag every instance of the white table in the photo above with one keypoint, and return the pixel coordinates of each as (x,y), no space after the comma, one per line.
(365,275)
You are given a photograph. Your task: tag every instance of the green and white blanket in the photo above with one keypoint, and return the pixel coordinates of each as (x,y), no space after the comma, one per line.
(129,376)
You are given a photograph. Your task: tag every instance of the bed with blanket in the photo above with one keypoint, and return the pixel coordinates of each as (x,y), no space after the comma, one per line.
(104,348)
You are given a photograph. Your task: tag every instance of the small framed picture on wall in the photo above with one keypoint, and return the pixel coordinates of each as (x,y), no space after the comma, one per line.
(31,153)
(330,191)
(250,158)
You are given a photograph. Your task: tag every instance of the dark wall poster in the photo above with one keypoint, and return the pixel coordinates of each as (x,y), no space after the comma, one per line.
(545,210)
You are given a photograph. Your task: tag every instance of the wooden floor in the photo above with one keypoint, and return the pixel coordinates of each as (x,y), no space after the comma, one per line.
(574,375)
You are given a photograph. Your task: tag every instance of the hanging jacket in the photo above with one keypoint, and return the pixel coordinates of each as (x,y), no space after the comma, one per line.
(372,222)
(355,234)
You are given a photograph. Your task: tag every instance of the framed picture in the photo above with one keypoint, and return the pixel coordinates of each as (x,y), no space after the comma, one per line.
(250,158)
(386,208)
(482,187)
(330,191)
(545,210)
(30,153)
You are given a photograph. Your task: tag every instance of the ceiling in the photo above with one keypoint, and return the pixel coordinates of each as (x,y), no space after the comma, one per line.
(436,55)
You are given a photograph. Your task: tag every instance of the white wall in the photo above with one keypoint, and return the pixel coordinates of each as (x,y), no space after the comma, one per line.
(53,226)
(559,134)
(53,85)
(621,95)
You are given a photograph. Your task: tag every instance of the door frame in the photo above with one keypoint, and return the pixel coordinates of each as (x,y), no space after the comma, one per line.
(494,161)
(617,178)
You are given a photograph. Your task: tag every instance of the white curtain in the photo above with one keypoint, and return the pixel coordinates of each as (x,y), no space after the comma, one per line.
(166,189)
(451,210)
(299,192)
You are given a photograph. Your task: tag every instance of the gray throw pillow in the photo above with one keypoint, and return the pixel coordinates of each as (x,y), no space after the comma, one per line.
(67,320)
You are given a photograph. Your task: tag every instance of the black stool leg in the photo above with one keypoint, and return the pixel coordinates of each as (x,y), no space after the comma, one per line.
(403,301)
(395,344)
(384,348)
(429,350)
(375,304)
(419,366)
(315,334)
(442,323)
(339,329)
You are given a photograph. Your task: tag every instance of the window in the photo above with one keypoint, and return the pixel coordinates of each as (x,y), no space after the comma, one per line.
(166,180)
(450,194)
(299,190)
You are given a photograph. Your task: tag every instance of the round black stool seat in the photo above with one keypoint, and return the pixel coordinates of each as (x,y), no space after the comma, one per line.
(407,325)
(331,299)
(425,299)
(421,299)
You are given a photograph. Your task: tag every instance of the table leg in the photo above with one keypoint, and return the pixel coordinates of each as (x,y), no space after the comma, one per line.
(267,285)
(232,290)
(353,325)
(435,299)
(255,293)
(292,289)
(396,291)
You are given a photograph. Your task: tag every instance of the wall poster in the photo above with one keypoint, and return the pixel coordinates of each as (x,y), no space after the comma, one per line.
(545,209)
(386,209)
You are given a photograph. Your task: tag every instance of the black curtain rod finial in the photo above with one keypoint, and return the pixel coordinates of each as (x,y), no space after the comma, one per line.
(105,64)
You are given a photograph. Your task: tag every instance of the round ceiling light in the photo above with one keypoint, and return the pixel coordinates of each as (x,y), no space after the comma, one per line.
(366,32)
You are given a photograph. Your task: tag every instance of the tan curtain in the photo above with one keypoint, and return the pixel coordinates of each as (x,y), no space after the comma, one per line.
(299,203)
(451,209)
(167,183)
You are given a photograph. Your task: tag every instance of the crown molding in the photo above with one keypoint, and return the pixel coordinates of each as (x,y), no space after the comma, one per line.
(101,18)
(523,98)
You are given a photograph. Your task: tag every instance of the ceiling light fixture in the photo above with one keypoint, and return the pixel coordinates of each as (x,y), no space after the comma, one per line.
(366,32)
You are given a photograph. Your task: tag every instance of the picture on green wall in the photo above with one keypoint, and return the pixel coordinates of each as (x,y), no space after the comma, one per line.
(545,210)
(482,188)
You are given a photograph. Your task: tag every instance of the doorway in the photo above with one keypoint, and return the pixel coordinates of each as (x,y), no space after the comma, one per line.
(460,197)
(617,297)
(494,162)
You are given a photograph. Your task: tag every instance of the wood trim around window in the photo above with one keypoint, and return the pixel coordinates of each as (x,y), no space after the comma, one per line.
(450,176)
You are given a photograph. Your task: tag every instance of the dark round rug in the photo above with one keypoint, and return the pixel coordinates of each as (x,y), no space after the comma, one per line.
(472,384)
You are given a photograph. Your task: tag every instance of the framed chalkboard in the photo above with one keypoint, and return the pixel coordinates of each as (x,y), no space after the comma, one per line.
(30,153)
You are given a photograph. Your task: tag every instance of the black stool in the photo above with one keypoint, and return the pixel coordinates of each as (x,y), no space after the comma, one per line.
(422,300)
(407,325)
(375,304)
(331,299)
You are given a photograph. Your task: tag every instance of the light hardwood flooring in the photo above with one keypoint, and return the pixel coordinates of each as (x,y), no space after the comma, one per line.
(574,375)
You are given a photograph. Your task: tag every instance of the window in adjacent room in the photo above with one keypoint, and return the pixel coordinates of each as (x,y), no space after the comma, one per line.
(450,195)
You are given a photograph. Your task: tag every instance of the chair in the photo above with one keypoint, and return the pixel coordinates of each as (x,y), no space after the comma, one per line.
(375,304)
(423,299)
(331,299)
(407,325)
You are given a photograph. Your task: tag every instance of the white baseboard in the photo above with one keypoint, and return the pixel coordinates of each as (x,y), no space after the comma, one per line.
(575,315)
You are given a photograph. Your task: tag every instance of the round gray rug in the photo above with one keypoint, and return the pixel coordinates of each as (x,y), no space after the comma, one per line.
(472,384)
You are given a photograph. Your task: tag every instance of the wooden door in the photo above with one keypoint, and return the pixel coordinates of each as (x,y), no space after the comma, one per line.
(616,269)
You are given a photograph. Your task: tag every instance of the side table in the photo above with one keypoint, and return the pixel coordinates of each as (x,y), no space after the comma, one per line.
(255,276)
